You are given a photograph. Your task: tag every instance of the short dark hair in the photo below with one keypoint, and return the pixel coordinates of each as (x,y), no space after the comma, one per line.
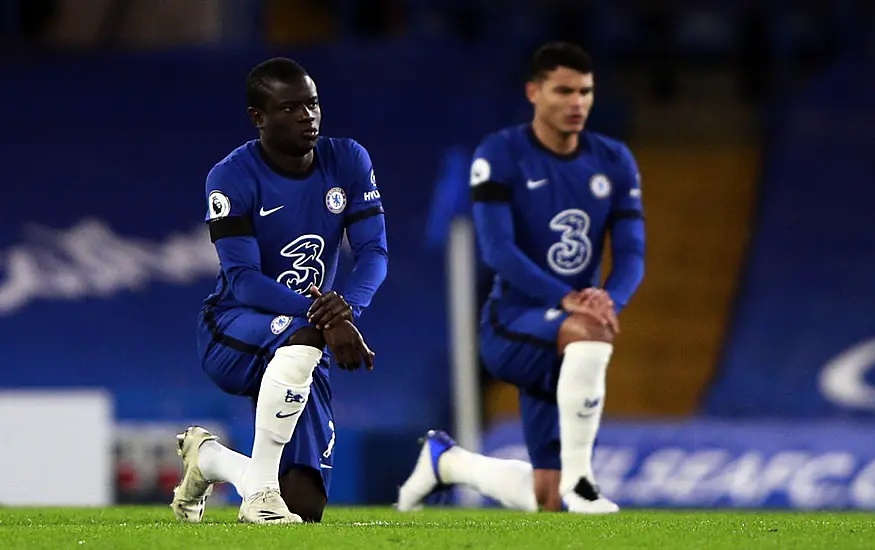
(553,55)
(277,69)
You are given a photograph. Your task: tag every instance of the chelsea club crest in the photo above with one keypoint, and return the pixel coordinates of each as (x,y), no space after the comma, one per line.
(600,186)
(280,323)
(335,200)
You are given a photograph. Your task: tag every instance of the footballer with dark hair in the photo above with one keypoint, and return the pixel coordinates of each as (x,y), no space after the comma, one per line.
(277,208)
(545,195)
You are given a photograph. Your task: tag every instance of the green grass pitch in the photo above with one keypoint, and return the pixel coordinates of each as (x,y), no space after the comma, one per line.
(375,528)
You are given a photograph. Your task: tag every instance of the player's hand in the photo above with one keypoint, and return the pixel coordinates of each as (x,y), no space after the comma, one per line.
(599,301)
(328,309)
(348,347)
(573,303)
(594,303)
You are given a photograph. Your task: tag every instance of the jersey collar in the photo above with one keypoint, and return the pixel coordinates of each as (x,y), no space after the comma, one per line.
(581,146)
(280,170)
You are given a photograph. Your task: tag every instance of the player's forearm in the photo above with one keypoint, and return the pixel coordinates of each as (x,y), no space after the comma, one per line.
(256,290)
(366,277)
(523,274)
(367,237)
(239,257)
(627,270)
(494,225)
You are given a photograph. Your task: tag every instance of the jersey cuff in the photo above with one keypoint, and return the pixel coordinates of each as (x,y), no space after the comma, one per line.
(232,226)
(490,191)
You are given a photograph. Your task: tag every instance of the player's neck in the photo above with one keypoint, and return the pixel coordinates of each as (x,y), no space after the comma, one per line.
(286,162)
(558,142)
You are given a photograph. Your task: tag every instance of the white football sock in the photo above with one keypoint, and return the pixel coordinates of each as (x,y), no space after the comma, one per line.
(221,464)
(507,481)
(282,396)
(580,394)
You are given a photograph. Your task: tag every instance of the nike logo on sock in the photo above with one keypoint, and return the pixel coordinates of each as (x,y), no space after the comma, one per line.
(589,406)
(281,415)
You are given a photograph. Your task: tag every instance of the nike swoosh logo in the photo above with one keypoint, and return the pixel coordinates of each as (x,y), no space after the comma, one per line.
(535,184)
(325,466)
(281,415)
(264,212)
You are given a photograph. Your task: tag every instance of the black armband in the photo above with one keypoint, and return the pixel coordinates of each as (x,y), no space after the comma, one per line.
(490,191)
(232,226)
(362,215)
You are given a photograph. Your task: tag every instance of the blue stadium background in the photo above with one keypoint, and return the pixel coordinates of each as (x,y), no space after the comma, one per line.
(105,149)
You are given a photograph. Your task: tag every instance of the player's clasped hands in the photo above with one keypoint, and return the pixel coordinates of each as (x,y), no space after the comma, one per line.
(593,302)
(333,316)
(328,309)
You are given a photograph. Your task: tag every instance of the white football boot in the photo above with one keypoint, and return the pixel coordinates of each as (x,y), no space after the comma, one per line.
(190,496)
(586,499)
(266,507)
(425,478)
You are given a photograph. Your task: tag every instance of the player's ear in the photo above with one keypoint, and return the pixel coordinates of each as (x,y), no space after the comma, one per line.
(256,117)
(532,88)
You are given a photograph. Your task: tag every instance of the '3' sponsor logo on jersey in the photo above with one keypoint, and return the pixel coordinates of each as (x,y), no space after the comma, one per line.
(573,252)
(307,268)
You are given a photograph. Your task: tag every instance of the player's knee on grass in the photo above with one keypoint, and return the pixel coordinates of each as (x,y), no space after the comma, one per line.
(307,336)
(304,493)
(581,328)
(547,489)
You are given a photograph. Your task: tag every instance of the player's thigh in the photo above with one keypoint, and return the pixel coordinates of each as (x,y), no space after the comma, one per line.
(236,345)
(518,346)
(312,445)
(539,415)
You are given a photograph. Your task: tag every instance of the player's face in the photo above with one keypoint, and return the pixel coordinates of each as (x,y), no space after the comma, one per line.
(562,99)
(291,117)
